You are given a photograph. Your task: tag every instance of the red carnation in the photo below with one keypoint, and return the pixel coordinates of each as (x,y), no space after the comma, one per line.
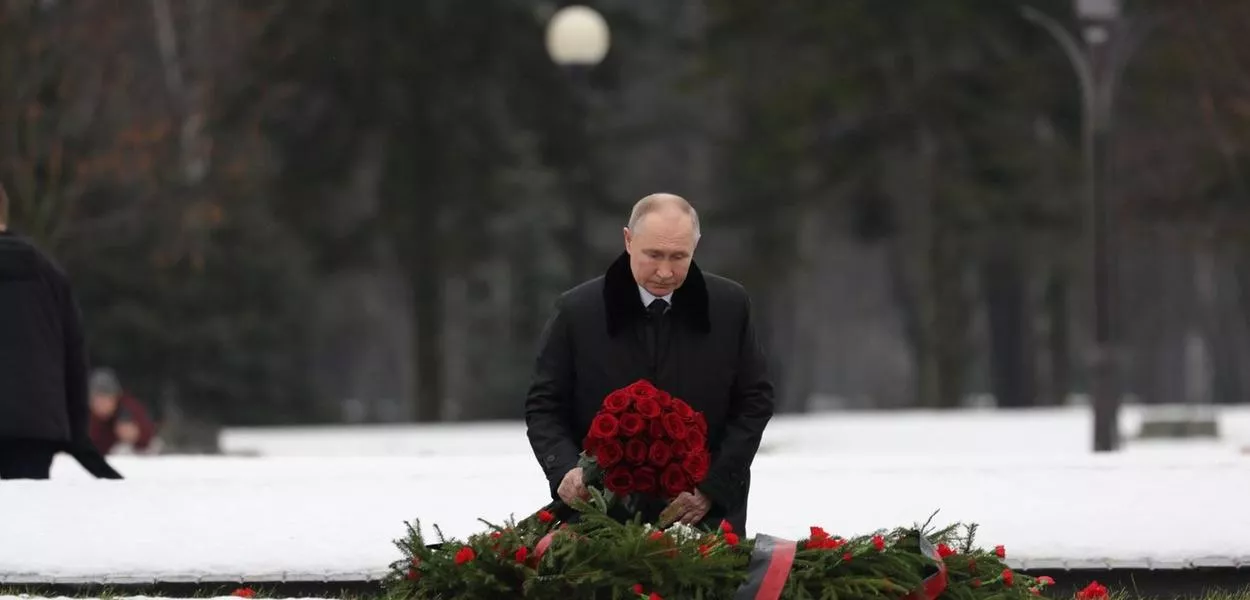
(636,451)
(609,453)
(647,407)
(675,427)
(604,426)
(620,480)
(521,554)
(631,424)
(944,551)
(645,480)
(617,402)
(656,429)
(1093,591)
(674,480)
(638,588)
(466,554)
(696,465)
(545,516)
(1046,580)
(247,592)
(1000,551)
(726,526)
(642,389)
(1008,577)
(660,453)
(878,542)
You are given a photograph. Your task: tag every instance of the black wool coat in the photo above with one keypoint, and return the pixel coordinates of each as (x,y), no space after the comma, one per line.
(713,360)
(43,368)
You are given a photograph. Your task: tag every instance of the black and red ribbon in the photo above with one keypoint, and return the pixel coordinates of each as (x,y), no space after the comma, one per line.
(772,557)
(768,569)
(935,584)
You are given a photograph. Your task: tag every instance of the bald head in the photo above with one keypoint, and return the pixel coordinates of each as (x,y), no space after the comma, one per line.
(666,206)
(660,240)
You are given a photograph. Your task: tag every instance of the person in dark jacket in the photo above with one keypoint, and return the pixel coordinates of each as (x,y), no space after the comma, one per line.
(655,315)
(43,365)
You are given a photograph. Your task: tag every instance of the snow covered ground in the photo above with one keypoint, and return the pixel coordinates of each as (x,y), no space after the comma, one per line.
(327,506)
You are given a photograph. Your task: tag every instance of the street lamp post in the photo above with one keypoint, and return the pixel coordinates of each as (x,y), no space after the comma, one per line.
(1097,70)
(577,40)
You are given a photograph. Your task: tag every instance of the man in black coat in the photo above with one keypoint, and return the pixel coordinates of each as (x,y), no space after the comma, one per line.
(43,366)
(655,315)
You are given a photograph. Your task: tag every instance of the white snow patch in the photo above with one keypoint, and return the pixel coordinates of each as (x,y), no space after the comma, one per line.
(319,513)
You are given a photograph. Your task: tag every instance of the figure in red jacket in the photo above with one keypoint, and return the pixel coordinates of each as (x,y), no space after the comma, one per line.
(118,420)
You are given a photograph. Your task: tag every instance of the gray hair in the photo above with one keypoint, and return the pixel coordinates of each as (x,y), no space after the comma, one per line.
(104,381)
(654,202)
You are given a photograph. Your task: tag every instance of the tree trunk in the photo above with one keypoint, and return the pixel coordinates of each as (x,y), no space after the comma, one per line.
(1012,367)
(425,277)
(1059,337)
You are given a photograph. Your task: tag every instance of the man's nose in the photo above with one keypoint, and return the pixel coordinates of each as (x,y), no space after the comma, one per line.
(664,271)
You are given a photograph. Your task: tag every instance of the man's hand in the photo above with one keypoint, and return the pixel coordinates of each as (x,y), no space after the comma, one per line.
(689,508)
(572,487)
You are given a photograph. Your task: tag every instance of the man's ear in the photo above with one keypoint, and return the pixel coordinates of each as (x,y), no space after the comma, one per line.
(628,238)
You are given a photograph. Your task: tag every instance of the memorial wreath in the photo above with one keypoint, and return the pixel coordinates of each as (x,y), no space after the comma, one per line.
(645,443)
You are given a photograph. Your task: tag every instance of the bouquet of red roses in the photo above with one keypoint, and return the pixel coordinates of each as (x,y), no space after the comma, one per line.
(645,442)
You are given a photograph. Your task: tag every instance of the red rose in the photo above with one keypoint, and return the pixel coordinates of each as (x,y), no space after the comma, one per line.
(682,448)
(620,481)
(700,423)
(660,453)
(674,426)
(631,424)
(609,453)
(731,538)
(647,407)
(682,409)
(1000,551)
(944,551)
(636,451)
(465,555)
(545,516)
(656,429)
(604,426)
(591,444)
(696,465)
(664,399)
(617,402)
(1008,576)
(645,480)
(642,389)
(695,438)
(521,554)
(878,542)
(674,480)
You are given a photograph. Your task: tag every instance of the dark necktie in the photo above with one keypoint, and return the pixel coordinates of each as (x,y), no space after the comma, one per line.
(654,330)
